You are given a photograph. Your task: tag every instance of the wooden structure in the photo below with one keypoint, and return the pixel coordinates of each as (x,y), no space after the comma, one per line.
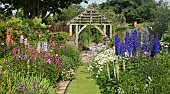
(89,17)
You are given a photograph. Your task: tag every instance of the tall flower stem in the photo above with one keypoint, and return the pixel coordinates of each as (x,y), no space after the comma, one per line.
(123,64)
(117,71)
(108,70)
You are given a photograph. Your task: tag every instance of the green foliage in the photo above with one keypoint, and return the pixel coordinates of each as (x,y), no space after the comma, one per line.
(133,10)
(147,76)
(89,35)
(16,83)
(161,19)
(36,8)
(166,37)
(70,12)
(111,15)
(68,70)
(142,75)
(71,52)
(4,50)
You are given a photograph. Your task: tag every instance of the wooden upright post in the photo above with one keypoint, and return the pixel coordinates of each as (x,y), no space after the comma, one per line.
(70,31)
(111,31)
(77,36)
(104,30)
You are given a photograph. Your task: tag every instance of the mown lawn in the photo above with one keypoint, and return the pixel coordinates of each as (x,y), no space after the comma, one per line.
(83,83)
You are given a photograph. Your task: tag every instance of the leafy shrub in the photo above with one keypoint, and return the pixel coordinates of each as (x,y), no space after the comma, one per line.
(68,68)
(142,75)
(69,51)
(17,83)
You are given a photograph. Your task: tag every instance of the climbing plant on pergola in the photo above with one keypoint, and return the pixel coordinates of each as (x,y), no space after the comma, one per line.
(89,17)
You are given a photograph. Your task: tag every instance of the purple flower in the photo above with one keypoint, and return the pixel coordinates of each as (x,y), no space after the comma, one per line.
(152,46)
(20,88)
(25,57)
(144,47)
(5,62)
(34,84)
(61,46)
(38,63)
(37,32)
(128,43)
(158,45)
(19,57)
(123,49)
(48,30)
(49,61)
(28,92)
(117,45)
(135,42)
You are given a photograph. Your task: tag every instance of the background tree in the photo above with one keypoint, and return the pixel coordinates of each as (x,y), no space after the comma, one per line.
(35,8)
(161,19)
(70,12)
(133,10)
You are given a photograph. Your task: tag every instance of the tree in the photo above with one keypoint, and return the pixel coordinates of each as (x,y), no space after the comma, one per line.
(161,19)
(70,12)
(133,10)
(35,8)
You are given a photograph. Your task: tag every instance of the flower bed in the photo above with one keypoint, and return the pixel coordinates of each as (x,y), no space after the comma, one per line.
(29,68)
(132,67)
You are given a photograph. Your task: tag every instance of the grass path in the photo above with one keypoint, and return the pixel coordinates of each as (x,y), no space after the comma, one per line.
(83,83)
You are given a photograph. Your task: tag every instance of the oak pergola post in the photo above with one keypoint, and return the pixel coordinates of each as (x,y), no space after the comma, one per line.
(89,17)
(70,29)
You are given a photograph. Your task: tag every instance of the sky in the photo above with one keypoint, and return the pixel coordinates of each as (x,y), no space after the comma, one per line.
(92,1)
(100,1)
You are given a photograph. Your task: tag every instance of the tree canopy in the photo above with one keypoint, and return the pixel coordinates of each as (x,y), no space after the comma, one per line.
(133,10)
(36,8)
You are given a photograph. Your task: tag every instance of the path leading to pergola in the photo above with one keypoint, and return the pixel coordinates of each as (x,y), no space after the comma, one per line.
(83,83)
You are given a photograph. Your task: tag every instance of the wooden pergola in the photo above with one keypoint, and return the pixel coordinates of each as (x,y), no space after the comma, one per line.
(89,17)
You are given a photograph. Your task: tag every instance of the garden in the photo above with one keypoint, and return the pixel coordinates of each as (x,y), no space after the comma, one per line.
(37,51)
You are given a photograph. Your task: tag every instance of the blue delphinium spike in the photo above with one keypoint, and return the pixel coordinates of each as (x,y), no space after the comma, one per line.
(117,45)
(123,49)
(152,46)
(135,42)
(128,43)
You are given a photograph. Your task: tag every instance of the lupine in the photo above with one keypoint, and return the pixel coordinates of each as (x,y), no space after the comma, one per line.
(117,45)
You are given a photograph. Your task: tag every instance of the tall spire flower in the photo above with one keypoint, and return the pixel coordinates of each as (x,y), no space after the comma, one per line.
(123,49)
(117,45)
(134,42)
(128,43)
(152,45)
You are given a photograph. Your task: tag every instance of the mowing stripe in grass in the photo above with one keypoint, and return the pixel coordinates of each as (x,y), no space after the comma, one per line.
(83,83)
